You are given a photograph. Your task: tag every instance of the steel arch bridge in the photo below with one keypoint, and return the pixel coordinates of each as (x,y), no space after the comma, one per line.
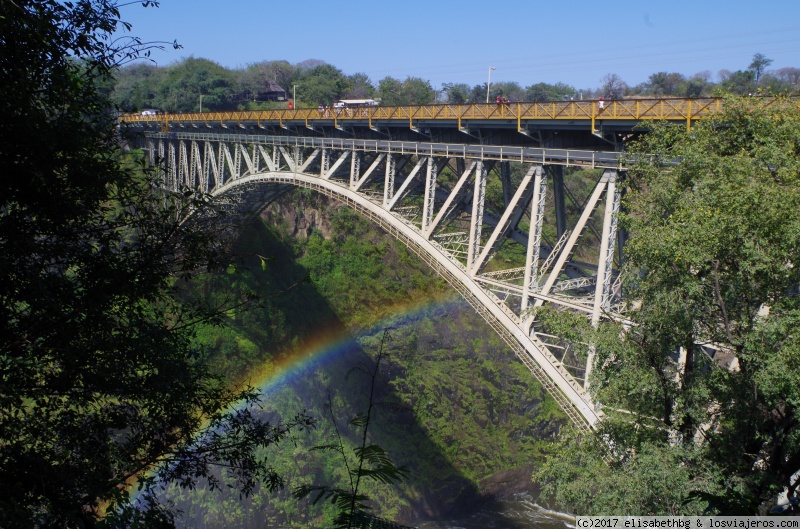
(433,198)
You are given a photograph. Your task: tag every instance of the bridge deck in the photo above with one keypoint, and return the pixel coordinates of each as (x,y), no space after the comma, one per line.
(626,113)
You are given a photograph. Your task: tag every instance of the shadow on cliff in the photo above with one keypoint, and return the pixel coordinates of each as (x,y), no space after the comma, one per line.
(294,315)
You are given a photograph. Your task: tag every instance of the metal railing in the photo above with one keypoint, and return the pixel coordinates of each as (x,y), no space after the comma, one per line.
(678,109)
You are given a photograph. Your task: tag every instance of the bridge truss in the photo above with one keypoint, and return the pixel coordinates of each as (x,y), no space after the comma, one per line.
(462,209)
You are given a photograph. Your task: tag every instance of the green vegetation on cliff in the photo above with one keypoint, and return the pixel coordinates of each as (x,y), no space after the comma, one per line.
(708,371)
(453,404)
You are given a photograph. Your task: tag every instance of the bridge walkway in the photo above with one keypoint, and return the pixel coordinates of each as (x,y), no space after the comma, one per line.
(522,115)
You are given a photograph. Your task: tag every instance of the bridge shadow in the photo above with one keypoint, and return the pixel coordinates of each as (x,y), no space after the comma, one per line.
(435,398)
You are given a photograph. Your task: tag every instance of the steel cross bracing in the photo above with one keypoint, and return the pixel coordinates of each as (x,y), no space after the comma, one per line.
(456,206)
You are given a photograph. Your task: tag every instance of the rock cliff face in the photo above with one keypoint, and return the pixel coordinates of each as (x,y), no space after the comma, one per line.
(300,215)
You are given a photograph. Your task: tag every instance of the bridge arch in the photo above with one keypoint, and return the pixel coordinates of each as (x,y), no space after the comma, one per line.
(245,169)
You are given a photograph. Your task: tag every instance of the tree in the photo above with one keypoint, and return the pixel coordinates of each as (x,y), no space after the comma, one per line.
(759,65)
(186,81)
(359,87)
(708,373)
(136,87)
(613,86)
(665,84)
(549,92)
(322,84)
(390,91)
(457,93)
(417,91)
(789,75)
(697,85)
(100,381)
(412,91)
(739,82)
(513,91)
(254,80)
(478,93)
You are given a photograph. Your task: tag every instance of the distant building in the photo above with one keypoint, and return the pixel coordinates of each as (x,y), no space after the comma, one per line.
(272,92)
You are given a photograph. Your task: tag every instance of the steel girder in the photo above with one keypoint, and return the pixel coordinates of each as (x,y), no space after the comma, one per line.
(448,218)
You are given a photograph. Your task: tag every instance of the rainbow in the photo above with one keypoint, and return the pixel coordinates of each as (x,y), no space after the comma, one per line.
(326,347)
(329,344)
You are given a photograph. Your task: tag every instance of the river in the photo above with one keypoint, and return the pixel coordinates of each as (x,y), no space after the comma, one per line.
(519,511)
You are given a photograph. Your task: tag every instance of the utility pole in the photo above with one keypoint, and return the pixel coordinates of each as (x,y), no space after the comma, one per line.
(489,82)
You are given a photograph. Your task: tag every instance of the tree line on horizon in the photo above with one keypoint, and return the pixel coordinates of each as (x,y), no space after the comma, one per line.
(178,87)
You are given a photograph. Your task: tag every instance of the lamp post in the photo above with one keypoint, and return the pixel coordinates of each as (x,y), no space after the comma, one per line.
(201,103)
(489,82)
(294,95)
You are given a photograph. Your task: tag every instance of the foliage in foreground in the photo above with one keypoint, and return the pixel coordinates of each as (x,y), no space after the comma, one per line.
(100,384)
(367,461)
(709,373)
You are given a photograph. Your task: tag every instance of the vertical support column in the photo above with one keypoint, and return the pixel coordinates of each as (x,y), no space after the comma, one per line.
(172,167)
(534,238)
(355,168)
(159,161)
(558,198)
(222,148)
(505,179)
(476,221)
(324,163)
(297,156)
(605,263)
(183,167)
(205,183)
(211,162)
(237,159)
(256,161)
(430,190)
(388,182)
(194,162)
(276,157)
(612,238)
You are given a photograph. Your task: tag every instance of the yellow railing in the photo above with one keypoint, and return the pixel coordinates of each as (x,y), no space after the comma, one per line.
(620,110)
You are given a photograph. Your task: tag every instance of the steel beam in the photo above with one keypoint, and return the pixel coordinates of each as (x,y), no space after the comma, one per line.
(355,168)
(430,192)
(573,238)
(388,182)
(505,220)
(407,183)
(534,238)
(604,264)
(476,219)
(369,172)
(452,198)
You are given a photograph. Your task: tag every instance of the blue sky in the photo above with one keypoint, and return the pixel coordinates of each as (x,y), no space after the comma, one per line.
(576,42)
